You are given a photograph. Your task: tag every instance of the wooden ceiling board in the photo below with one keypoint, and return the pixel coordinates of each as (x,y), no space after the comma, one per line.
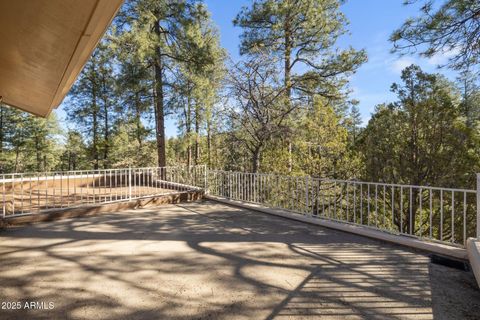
(44,45)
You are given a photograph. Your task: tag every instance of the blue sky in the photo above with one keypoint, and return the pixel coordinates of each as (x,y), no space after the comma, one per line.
(371,23)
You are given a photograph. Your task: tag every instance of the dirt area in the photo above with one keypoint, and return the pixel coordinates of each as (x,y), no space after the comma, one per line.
(26,196)
(27,201)
(211,261)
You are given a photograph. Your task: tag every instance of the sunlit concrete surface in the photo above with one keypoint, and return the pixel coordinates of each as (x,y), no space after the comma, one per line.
(211,261)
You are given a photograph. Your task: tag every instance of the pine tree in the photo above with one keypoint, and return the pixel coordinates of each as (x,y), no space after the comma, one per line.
(158,27)
(74,156)
(470,91)
(202,80)
(12,137)
(41,149)
(134,86)
(354,123)
(303,34)
(91,103)
(420,139)
(28,143)
(452,27)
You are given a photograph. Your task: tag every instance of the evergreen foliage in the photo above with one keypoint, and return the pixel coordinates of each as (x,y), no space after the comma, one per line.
(284,107)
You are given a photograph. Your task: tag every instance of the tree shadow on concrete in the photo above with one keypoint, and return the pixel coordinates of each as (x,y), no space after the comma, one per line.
(210,261)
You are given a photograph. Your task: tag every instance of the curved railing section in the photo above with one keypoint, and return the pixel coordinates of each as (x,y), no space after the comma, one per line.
(30,193)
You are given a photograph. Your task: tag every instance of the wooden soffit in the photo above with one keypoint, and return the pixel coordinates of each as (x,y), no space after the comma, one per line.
(44,45)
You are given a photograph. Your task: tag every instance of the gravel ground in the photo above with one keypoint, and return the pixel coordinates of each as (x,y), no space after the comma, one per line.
(211,261)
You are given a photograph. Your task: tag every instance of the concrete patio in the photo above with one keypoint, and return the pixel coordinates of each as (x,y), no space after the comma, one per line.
(205,260)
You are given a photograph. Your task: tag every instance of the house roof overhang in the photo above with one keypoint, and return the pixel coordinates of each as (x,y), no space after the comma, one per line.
(44,45)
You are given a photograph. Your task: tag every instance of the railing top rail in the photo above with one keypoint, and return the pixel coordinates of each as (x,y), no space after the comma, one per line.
(51,173)
(352,181)
(5,177)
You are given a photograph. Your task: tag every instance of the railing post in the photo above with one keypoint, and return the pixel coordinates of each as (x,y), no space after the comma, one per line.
(478,205)
(306,196)
(206,179)
(4,211)
(229,185)
(129,183)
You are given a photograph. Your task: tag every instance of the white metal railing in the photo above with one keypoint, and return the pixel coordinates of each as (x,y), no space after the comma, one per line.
(448,215)
(27,193)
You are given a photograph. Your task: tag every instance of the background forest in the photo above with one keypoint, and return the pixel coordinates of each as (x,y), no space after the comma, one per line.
(284,107)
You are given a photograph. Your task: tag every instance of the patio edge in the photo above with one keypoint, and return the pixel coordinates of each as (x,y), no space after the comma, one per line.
(473,249)
(95,209)
(438,248)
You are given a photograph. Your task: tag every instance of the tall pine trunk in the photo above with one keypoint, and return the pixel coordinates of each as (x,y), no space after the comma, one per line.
(37,153)
(17,155)
(188,130)
(138,121)
(159,103)
(106,133)
(96,157)
(209,143)
(256,159)
(197,134)
(287,80)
